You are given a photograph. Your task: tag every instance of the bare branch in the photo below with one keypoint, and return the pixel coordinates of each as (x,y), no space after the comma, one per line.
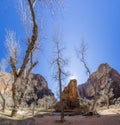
(31,67)
(13,67)
(32,40)
(81,54)
(3,65)
(59,74)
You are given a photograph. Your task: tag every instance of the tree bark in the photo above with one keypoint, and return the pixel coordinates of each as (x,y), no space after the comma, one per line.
(60,86)
(3,105)
(25,61)
(93,109)
(107,102)
(32,65)
(15,101)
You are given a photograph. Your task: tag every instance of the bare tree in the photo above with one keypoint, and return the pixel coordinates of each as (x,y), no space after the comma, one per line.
(28,56)
(59,73)
(81,54)
(107,92)
(13,57)
(29,94)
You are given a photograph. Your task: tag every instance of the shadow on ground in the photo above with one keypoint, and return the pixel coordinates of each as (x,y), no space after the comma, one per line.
(29,121)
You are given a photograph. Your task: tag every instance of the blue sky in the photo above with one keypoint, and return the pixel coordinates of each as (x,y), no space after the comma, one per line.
(95,21)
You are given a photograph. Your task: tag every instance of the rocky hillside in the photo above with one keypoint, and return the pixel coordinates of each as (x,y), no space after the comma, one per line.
(38,85)
(105,75)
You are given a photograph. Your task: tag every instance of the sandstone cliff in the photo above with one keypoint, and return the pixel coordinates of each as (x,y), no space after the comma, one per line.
(104,73)
(69,96)
(70,92)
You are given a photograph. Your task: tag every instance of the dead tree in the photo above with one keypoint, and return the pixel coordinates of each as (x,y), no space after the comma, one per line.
(59,74)
(27,78)
(81,54)
(32,40)
(13,58)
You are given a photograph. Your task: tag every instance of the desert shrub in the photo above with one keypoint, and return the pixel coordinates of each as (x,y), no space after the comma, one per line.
(85,105)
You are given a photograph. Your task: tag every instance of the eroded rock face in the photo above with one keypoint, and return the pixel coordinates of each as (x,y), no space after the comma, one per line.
(69,96)
(70,93)
(103,74)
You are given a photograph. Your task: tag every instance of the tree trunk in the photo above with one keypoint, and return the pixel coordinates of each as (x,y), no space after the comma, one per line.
(61,101)
(14,96)
(3,109)
(107,101)
(3,106)
(93,109)
(33,109)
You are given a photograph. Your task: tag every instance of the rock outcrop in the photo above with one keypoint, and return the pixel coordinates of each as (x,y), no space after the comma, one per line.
(70,92)
(104,75)
(69,96)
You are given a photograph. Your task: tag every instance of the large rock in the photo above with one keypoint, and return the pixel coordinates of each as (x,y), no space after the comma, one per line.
(70,93)
(69,96)
(103,74)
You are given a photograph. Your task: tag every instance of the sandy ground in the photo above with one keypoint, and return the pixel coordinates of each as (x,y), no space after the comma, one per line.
(107,117)
(80,120)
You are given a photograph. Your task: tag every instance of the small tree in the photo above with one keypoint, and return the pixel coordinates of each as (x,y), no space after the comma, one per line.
(59,73)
